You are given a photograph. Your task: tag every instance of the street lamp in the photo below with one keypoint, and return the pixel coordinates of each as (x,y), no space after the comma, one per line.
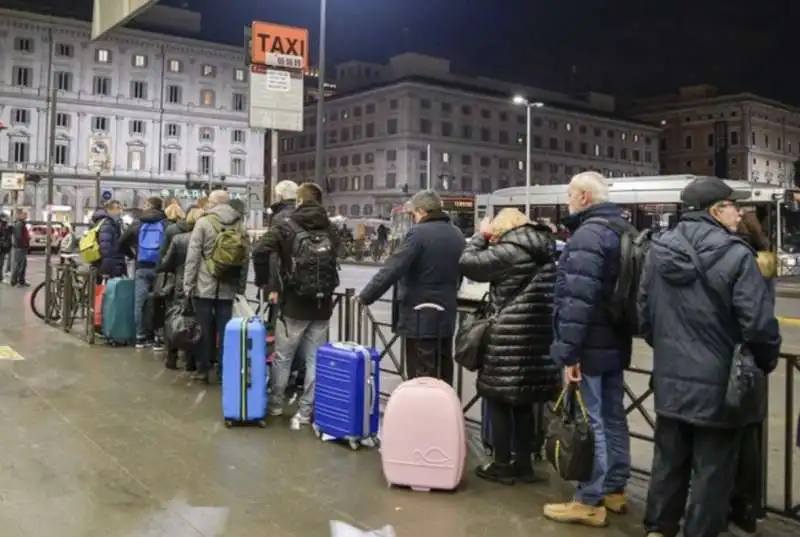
(519,100)
(319,154)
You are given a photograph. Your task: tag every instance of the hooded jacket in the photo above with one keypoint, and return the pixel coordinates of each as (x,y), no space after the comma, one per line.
(197,280)
(263,249)
(278,243)
(694,324)
(112,255)
(173,229)
(130,239)
(520,268)
(588,268)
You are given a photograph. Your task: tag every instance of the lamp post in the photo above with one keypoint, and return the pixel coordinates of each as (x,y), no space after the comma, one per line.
(319,154)
(519,100)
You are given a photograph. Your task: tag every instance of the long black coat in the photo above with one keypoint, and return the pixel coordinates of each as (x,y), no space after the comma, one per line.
(520,268)
(424,270)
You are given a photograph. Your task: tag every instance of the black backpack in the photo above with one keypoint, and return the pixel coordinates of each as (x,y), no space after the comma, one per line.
(314,269)
(633,248)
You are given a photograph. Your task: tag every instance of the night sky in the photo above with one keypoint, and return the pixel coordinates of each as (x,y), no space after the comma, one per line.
(626,47)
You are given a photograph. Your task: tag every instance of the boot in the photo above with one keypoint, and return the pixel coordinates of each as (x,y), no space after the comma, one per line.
(497,472)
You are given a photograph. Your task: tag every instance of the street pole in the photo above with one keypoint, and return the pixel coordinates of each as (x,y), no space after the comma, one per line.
(319,155)
(97,194)
(51,180)
(273,161)
(428,167)
(528,161)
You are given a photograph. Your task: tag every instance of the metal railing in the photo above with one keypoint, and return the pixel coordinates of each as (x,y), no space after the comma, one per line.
(71,308)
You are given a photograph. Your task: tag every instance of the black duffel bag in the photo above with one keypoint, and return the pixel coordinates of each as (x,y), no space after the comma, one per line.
(472,335)
(181,329)
(569,445)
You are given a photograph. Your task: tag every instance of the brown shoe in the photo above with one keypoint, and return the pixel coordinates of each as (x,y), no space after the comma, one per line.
(577,513)
(616,503)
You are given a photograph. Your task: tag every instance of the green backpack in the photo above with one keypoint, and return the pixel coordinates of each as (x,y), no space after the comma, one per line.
(229,253)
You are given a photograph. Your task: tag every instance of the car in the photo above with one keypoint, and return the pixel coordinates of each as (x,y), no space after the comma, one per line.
(38,235)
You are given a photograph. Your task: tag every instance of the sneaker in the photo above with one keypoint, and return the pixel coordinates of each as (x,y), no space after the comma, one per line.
(525,473)
(158,347)
(616,503)
(275,411)
(497,472)
(140,344)
(298,420)
(577,513)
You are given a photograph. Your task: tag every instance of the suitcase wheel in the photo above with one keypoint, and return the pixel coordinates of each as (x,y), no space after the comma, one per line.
(354,444)
(228,424)
(317,432)
(262,424)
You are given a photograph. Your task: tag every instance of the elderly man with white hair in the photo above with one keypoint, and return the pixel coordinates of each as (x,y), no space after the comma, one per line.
(592,347)
(215,272)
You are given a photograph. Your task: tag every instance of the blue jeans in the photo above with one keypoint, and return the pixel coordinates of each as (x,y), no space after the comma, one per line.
(144,278)
(603,396)
(300,339)
(212,315)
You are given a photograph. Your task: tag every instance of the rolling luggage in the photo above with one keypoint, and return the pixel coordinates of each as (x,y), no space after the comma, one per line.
(423,436)
(244,372)
(347,394)
(118,306)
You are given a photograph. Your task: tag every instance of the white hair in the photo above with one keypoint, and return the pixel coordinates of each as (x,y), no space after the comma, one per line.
(591,182)
(285,190)
(217,197)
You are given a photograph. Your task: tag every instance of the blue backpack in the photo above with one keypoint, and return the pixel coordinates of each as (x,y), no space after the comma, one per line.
(150,236)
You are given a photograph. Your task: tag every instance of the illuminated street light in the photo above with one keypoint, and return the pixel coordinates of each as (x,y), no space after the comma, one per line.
(519,100)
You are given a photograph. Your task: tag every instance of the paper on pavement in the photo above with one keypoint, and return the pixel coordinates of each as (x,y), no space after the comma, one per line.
(342,529)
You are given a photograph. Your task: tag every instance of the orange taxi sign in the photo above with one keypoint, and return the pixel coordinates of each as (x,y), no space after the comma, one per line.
(280,46)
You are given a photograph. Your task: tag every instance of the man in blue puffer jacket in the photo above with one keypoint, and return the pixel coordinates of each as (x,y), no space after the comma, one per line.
(112,262)
(593,351)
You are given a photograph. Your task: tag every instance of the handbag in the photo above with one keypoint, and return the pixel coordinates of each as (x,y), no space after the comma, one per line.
(569,444)
(181,329)
(746,391)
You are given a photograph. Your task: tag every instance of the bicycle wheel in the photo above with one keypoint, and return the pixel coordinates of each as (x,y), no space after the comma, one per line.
(38,306)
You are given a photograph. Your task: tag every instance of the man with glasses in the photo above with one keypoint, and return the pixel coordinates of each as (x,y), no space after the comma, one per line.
(701,295)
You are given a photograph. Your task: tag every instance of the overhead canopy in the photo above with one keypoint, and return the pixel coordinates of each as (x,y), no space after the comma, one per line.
(110,14)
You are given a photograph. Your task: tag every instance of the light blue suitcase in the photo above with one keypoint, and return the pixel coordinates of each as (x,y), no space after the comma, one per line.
(244,372)
(347,394)
(118,321)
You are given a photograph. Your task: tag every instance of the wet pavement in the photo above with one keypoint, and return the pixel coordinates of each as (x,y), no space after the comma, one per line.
(105,442)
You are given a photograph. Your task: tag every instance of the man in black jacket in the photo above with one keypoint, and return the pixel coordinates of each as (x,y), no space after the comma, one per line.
(701,295)
(427,277)
(303,320)
(5,242)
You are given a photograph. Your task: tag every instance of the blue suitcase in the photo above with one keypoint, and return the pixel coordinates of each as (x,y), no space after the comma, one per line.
(118,322)
(244,372)
(347,394)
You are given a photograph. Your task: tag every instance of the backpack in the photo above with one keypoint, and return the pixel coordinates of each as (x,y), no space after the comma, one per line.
(314,270)
(229,252)
(633,248)
(151,235)
(89,245)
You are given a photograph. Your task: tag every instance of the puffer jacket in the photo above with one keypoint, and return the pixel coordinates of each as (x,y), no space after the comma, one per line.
(173,230)
(174,259)
(112,262)
(520,267)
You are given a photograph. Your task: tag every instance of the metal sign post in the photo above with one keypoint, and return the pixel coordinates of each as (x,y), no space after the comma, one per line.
(51,180)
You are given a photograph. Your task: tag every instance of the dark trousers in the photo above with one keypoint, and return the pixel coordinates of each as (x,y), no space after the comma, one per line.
(19,266)
(512,430)
(212,316)
(747,497)
(423,357)
(694,463)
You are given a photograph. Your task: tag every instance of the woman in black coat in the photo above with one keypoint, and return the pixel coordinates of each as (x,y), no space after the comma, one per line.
(517,258)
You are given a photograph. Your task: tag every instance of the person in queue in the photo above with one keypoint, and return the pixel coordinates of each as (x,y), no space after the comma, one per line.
(304,293)
(701,294)
(593,350)
(112,263)
(517,258)
(213,295)
(425,270)
(174,262)
(6,240)
(177,224)
(144,237)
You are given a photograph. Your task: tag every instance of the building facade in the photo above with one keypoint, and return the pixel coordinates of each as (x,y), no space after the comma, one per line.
(148,112)
(740,136)
(379,126)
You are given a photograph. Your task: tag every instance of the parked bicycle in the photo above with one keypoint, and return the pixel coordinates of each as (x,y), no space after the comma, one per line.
(67,268)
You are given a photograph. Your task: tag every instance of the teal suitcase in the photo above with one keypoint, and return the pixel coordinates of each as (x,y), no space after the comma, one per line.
(119,324)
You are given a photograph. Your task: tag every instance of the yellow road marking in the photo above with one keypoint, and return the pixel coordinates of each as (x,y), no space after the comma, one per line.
(7,353)
(789,321)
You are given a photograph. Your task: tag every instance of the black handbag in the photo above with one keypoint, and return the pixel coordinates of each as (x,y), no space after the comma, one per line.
(181,329)
(472,336)
(569,444)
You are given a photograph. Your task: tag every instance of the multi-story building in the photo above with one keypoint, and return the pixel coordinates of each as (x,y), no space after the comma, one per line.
(379,125)
(154,111)
(741,136)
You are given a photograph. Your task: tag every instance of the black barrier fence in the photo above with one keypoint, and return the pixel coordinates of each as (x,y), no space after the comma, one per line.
(72,310)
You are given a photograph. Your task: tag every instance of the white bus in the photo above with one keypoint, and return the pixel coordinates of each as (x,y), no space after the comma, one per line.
(654,203)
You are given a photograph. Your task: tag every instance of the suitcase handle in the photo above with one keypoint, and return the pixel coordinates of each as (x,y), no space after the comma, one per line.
(347,345)
(438,354)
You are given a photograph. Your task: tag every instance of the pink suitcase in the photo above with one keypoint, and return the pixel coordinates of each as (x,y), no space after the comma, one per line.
(423,436)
